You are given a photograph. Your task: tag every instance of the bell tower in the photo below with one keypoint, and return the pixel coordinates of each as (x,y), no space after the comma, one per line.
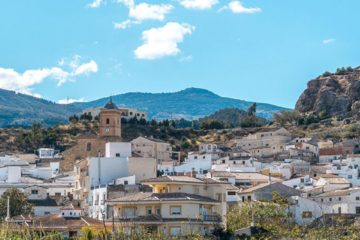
(110,120)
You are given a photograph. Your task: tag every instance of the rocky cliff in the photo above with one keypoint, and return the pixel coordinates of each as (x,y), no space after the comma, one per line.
(332,93)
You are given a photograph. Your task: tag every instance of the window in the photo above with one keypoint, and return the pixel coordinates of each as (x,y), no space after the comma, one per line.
(46,213)
(148,210)
(249,198)
(349,176)
(307,214)
(126,182)
(357,198)
(339,210)
(243,198)
(158,211)
(34,191)
(175,210)
(129,212)
(322,200)
(339,198)
(330,199)
(231,193)
(108,121)
(223,161)
(175,231)
(117,155)
(88,147)
(357,210)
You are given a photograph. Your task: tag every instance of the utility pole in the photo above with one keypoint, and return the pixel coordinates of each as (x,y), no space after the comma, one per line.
(8,210)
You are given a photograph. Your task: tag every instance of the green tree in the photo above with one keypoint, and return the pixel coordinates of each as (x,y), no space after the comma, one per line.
(18,203)
(252,110)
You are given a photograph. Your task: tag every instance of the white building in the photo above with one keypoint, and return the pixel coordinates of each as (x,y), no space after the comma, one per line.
(103,170)
(347,168)
(117,149)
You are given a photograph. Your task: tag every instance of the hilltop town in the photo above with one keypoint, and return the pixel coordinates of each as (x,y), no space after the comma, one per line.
(198,185)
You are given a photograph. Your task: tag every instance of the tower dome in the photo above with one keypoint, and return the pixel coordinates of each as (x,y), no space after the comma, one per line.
(110,105)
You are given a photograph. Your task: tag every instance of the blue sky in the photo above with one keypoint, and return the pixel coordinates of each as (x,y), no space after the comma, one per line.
(256,50)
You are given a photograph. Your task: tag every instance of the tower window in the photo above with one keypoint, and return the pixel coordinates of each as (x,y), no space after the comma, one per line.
(108,121)
(88,147)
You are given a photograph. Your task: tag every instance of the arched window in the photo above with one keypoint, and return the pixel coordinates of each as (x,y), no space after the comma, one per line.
(88,147)
(108,121)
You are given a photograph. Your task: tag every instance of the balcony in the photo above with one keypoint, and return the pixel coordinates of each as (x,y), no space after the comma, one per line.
(211,218)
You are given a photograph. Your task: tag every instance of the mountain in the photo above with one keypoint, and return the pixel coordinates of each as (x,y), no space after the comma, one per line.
(22,110)
(191,103)
(332,93)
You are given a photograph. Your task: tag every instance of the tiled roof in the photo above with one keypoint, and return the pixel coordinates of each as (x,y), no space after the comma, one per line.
(173,179)
(331,151)
(57,221)
(177,196)
(337,193)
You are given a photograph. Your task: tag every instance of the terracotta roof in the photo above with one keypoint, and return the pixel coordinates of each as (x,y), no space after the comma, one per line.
(331,151)
(254,176)
(57,221)
(158,197)
(337,193)
(275,187)
(222,174)
(172,179)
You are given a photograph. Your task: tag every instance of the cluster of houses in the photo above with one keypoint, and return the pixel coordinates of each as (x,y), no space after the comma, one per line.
(144,183)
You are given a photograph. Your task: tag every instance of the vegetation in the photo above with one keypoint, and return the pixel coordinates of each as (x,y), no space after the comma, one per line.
(339,71)
(18,203)
(274,218)
(231,118)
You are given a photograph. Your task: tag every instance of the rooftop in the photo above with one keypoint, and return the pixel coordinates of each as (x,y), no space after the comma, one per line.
(148,196)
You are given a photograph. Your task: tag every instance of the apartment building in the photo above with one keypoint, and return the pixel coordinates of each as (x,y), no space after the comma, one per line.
(201,203)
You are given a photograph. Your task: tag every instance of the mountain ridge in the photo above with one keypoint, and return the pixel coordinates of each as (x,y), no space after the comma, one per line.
(190,103)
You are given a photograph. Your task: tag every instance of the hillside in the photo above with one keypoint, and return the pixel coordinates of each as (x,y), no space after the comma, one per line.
(233,117)
(332,94)
(191,103)
(22,110)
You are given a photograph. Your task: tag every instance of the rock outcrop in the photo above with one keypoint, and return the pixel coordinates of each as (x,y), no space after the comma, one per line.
(332,94)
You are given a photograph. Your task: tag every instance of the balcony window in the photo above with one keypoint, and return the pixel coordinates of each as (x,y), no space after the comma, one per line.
(148,211)
(34,191)
(175,210)
(158,211)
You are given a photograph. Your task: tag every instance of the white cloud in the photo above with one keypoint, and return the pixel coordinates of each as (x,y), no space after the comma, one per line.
(23,82)
(237,7)
(186,59)
(198,4)
(123,25)
(86,68)
(70,100)
(163,41)
(143,11)
(95,4)
(328,41)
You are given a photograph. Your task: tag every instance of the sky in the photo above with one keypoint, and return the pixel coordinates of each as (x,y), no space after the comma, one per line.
(255,50)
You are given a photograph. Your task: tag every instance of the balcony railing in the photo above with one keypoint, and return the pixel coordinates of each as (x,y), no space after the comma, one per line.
(211,218)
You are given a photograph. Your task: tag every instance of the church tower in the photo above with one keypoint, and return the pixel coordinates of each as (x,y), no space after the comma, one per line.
(110,120)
